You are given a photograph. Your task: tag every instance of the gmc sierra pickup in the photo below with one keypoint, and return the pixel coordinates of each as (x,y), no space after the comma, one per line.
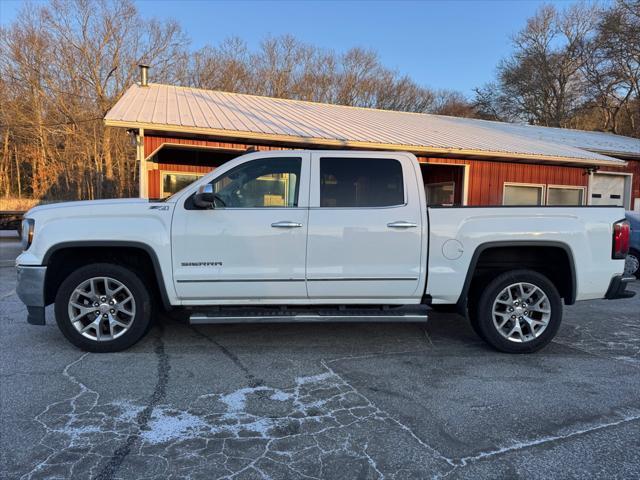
(315,235)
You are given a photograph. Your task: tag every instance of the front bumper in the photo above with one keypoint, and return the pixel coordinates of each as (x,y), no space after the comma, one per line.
(617,288)
(30,289)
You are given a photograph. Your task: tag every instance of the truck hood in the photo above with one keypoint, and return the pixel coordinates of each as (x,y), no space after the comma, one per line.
(112,210)
(115,202)
(133,220)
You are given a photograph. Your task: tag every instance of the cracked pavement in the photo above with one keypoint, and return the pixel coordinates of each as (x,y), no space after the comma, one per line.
(348,401)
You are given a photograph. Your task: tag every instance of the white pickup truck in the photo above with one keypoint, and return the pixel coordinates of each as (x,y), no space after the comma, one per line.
(309,236)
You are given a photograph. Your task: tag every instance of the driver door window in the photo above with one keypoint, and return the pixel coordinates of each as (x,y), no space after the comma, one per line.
(269,182)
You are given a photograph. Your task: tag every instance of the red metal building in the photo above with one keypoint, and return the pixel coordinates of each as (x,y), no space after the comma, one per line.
(183,133)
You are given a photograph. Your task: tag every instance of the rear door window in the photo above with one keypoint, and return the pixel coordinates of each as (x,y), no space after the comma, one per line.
(361,182)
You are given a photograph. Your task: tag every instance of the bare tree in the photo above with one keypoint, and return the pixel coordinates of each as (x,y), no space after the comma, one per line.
(578,67)
(64,65)
(612,67)
(285,67)
(225,67)
(453,104)
(490,104)
(541,82)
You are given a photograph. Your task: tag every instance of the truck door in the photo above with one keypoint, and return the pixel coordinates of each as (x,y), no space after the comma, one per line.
(252,245)
(365,227)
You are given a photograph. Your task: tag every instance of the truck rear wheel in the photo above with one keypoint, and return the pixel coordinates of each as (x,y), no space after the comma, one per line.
(103,308)
(519,312)
(632,263)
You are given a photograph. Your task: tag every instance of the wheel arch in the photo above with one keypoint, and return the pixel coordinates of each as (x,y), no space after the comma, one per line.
(566,283)
(64,257)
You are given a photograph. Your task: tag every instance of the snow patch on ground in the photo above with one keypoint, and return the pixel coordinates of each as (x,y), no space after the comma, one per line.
(236,401)
(314,378)
(167,425)
(290,431)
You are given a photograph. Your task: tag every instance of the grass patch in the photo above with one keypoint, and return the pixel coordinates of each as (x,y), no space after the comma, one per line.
(17,204)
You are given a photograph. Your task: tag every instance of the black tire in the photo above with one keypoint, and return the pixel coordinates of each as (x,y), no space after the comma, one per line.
(140,323)
(483,316)
(472,314)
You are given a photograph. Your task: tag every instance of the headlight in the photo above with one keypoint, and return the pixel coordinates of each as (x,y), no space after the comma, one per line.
(28,226)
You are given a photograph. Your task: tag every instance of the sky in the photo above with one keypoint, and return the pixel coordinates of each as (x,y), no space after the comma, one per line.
(452,44)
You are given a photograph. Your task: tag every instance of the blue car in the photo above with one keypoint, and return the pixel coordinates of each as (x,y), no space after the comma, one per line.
(632,265)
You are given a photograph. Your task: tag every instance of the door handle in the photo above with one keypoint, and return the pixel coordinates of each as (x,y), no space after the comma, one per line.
(286,224)
(402,224)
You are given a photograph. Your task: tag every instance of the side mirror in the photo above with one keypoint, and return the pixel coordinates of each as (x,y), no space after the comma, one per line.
(204,197)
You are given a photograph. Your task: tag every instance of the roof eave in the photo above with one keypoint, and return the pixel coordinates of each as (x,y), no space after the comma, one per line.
(328,142)
(621,155)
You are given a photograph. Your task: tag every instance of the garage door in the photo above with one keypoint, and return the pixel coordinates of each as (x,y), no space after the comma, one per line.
(607,190)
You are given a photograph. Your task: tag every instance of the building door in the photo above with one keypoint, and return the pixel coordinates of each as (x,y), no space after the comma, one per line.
(608,189)
(252,245)
(365,228)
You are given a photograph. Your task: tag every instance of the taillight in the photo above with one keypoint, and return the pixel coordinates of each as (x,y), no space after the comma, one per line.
(621,233)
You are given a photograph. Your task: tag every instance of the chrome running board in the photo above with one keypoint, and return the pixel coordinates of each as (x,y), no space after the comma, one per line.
(293,315)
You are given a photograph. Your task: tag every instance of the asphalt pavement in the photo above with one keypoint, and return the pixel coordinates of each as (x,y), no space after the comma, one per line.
(335,401)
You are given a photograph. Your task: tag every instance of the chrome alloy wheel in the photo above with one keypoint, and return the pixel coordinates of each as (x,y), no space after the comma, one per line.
(521,312)
(102,308)
(631,264)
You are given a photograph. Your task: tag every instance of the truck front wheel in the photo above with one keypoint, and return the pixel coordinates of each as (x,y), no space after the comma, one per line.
(103,308)
(519,312)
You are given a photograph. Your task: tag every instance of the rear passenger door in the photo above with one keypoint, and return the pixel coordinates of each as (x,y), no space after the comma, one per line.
(365,228)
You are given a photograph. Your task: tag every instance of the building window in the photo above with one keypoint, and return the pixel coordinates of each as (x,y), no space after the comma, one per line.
(268,182)
(361,182)
(565,195)
(174,182)
(442,193)
(523,194)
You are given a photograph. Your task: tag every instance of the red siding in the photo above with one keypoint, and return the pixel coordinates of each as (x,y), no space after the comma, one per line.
(155,176)
(152,143)
(486,178)
(154,184)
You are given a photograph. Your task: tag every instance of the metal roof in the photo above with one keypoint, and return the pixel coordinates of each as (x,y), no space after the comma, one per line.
(601,142)
(249,117)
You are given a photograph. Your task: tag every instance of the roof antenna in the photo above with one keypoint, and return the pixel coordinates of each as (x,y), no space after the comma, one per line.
(251,149)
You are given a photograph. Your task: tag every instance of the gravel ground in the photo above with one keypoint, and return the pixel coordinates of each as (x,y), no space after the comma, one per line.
(331,401)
